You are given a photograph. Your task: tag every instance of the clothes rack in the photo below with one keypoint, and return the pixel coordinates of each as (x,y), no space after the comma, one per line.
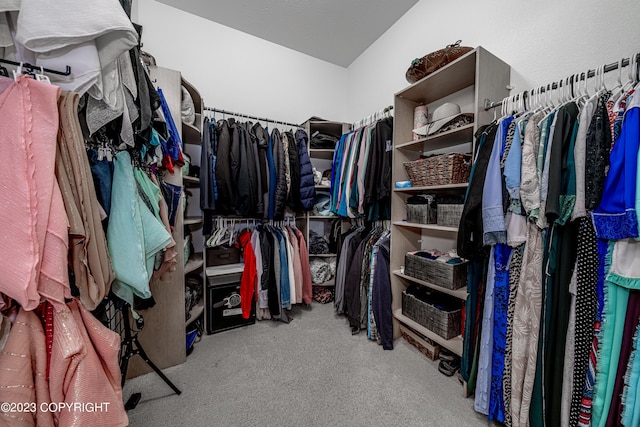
(373,117)
(488,104)
(67,71)
(246,116)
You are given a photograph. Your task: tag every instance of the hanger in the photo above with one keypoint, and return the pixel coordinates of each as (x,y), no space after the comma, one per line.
(616,91)
(636,71)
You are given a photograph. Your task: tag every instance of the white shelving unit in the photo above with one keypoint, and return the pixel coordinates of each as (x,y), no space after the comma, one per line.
(193,221)
(321,159)
(467,81)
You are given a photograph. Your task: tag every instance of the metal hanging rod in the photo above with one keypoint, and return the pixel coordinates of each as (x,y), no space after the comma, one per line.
(35,67)
(372,117)
(488,104)
(246,116)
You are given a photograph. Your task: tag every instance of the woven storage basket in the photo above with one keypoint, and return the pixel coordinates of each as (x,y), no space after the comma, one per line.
(424,212)
(439,318)
(444,169)
(421,214)
(449,215)
(449,276)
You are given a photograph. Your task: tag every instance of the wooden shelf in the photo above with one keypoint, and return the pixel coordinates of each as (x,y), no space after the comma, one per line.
(193,221)
(195,312)
(324,217)
(191,134)
(457,293)
(328,284)
(190,180)
(454,344)
(323,255)
(434,227)
(461,135)
(446,187)
(195,262)
(451,78)
(327,127)
(321,153)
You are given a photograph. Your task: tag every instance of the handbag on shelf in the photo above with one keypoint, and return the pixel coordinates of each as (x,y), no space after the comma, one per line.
(422,67)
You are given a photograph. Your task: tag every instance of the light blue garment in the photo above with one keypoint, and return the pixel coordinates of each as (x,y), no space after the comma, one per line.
(485,361)
(351,165)
(134,235)
(285,290)
(493,223)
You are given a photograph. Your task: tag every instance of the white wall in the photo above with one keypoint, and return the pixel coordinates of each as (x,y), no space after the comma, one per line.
(543,41)
(239,72)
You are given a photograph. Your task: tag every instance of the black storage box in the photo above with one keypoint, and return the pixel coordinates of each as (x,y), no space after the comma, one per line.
(222,256)
(224,309)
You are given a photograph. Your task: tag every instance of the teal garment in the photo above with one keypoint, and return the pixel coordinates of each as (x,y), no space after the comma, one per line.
(615,310)
(134,235)
(150,189)
(568,199)
(536,411)
(631,396)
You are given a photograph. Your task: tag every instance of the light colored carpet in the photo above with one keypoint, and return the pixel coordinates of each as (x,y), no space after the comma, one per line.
(311,372)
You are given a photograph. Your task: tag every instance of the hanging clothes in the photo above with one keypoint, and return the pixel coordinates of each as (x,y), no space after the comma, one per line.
(249,275)
(33,215)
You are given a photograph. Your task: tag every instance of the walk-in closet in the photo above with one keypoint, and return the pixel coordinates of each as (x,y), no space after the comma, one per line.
(319,213)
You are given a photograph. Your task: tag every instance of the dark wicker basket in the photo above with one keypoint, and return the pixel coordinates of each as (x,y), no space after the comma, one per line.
(444,169)
(444,321)
(449,276)
(449,215)
(423,213)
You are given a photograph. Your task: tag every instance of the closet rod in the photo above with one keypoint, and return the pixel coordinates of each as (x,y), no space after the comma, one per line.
(35,67)
(488,104)
(379,113)
(246,116)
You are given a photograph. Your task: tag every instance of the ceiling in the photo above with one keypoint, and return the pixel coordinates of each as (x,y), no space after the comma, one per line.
(337,31)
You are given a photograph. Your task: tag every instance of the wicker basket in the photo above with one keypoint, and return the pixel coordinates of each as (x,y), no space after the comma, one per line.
(434,311)
(444,169)
(423,213)
(449,276)
(449,215)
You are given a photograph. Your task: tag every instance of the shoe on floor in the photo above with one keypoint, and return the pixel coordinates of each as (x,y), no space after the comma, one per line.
(448,368)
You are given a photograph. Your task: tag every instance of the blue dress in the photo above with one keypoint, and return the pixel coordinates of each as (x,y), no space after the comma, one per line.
(500,308)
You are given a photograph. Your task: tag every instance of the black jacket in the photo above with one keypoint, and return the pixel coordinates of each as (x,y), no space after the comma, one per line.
(307,183)
(226,201)
(258,200)
(281,180)
(470,233)
(381,297)
(247,181)
(377,180)
(241,170)
(262,141)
